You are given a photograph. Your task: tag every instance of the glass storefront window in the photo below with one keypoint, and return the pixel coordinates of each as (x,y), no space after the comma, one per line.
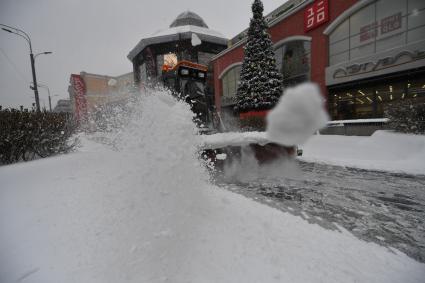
(370,101)
(416,22)
(230,83)
(416,90)
(338,58)
(339,47)
(363,50)
(169,59)
(293,61)
(377,27)
(416,5)
(362,26)
(389,93)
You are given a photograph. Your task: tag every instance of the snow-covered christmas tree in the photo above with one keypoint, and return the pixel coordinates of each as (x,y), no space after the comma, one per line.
(261,84)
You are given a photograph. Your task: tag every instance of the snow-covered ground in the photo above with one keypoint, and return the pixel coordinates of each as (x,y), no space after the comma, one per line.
(143,210)
(383,150)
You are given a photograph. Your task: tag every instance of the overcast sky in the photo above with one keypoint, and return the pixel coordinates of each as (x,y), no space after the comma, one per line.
(93,36)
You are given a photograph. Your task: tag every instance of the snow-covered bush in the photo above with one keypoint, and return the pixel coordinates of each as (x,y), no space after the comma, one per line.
(406,117)
(26,135)
(261,84)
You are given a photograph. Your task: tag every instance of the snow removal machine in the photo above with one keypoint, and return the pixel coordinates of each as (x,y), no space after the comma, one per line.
(177,57)
(188,81)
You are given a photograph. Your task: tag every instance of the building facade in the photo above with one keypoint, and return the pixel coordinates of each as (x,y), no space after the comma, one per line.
(90,92)
(63,105)
(364,54)
(187,38)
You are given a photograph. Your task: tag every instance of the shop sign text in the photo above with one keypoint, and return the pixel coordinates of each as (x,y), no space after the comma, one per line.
(387,25)
(390,61)
(316,15)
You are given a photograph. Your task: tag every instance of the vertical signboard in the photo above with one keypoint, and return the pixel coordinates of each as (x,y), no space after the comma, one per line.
(79,95)
(316,14)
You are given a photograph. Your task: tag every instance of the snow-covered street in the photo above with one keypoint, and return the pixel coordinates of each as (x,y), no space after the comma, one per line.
(145,210)
(381,207)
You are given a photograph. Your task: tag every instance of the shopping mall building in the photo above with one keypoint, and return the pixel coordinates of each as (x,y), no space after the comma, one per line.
(364,54)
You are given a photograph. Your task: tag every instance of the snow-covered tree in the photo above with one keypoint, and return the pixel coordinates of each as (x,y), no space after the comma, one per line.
(406,117)
(261,84)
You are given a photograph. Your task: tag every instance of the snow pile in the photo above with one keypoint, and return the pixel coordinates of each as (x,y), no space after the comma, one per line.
(383,150)
(141,209)
(297,116)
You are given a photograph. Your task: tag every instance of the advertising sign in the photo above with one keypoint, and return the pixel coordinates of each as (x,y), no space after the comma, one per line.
(316,14)
(391,23)
(80,99)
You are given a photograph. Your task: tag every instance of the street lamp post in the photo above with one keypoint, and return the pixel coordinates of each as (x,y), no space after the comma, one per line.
(48,93)
(24,35)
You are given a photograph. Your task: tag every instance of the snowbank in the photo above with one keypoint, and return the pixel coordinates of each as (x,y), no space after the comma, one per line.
(382,151)
(143,210)
(297,116)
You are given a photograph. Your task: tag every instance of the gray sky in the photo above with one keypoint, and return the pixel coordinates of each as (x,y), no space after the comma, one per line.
(93,36)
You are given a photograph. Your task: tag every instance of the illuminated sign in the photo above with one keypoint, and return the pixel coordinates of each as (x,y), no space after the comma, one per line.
(316,15)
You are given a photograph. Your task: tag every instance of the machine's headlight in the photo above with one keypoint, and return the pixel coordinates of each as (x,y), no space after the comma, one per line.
(184,72)
(201,75)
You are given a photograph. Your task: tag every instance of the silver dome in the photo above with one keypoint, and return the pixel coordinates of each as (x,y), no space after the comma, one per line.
(188,18)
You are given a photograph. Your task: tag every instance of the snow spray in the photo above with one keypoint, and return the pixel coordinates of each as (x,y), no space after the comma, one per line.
(298,115)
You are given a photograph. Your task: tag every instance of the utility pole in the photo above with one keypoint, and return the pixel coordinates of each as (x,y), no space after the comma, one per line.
(25,36)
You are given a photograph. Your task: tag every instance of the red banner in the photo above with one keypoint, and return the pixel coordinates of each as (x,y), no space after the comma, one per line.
(316,14)
(250,114)
(79,94)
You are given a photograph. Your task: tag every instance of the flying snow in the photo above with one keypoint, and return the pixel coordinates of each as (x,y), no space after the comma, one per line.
(139,207)
(298,115)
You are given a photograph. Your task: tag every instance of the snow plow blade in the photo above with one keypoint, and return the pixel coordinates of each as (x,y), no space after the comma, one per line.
(225,148)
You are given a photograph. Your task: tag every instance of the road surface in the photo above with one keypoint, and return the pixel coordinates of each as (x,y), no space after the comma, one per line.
(385,208)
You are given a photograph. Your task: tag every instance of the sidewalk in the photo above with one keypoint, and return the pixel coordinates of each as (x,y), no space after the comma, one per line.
(383,151)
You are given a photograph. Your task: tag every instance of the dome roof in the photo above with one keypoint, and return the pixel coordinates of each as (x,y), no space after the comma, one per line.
(188,18)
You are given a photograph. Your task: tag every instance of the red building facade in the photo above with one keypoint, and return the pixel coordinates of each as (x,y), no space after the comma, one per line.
(288,27)
(366,55)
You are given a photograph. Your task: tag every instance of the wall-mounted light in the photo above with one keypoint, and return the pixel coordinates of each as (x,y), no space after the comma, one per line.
(379,97)
(403,95)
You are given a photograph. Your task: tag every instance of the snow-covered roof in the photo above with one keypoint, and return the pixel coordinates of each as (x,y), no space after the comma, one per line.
(188,28)
(188,18)
(182,28)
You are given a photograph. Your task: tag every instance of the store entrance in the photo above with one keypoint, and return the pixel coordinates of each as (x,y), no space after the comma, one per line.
(370,99)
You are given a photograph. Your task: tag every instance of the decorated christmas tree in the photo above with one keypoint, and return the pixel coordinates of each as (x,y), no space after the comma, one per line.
(261,84)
